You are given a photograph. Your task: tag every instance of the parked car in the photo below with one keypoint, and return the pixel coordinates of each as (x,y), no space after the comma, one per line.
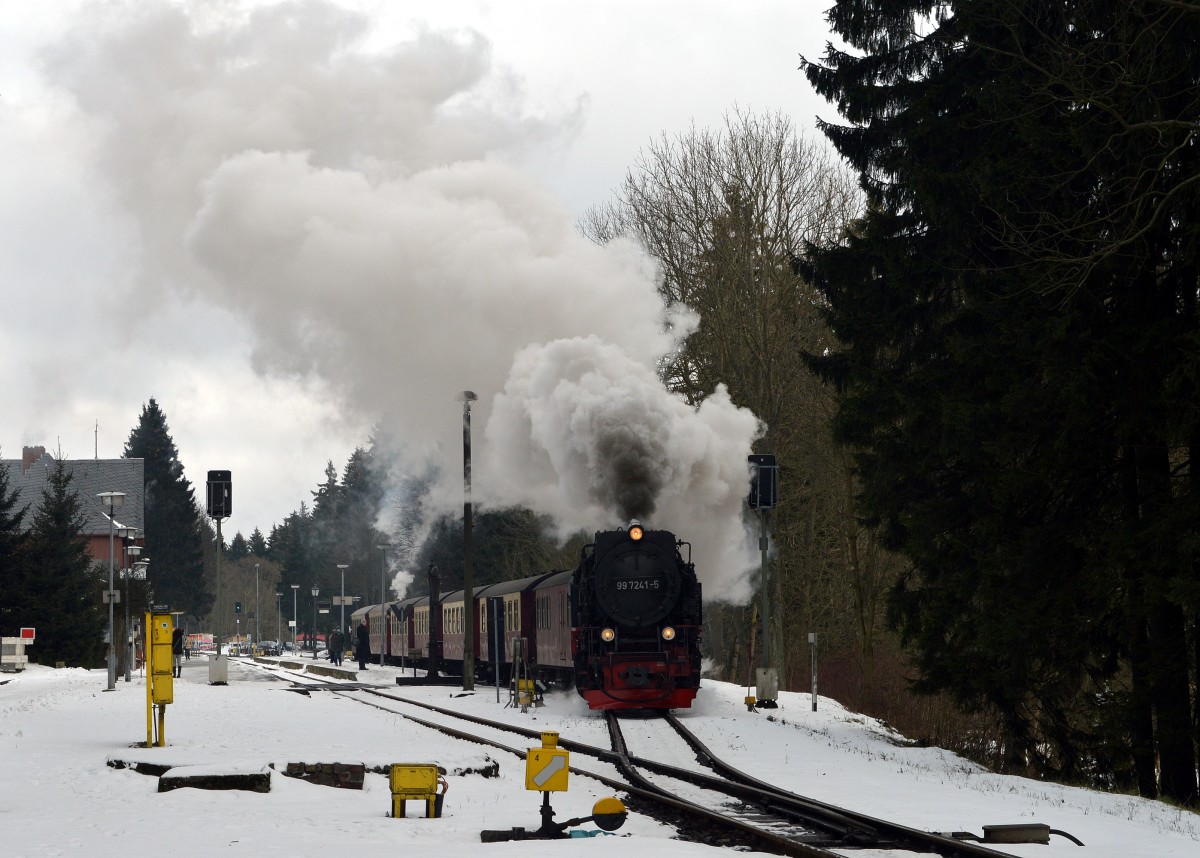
(269,648)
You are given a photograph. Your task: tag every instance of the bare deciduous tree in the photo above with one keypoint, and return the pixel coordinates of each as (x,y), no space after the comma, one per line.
(726,213)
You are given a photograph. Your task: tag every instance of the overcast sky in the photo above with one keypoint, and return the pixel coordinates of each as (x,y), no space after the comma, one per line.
(289,223)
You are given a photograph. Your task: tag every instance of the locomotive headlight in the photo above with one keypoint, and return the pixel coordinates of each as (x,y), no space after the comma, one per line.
(635,532)
(608,635)
(668,633)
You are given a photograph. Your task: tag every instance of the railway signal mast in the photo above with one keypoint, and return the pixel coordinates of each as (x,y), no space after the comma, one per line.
(763,483)
(220,506)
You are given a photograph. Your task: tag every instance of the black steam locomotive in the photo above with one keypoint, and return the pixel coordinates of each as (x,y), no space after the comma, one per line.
(636,621)
(624,626)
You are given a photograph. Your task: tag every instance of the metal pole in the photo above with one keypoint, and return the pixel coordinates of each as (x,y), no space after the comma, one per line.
(295,621)
(383,571)
(135,550)
(219,607)
(764,577)
(468,551)
(112,656)
(343,567)
(812,639)
(125,567)
(313,632)
(257,631)
(278,623)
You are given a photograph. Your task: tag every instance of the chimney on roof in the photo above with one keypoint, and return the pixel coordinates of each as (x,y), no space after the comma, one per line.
(29,455)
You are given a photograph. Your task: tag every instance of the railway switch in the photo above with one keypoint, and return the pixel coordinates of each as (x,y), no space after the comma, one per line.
(609,814)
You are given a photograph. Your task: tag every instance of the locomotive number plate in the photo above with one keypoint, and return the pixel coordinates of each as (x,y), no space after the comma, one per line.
(640,584)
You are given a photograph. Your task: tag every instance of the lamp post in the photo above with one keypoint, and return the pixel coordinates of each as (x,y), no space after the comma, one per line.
(295,620)
(112,501)
(124,534)
(257,636)
(315,592)
(343,567)
(278,622)
(135,550)
(468,550)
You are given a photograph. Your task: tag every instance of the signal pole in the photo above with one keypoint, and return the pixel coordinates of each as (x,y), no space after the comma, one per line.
(220,507)
(468,551)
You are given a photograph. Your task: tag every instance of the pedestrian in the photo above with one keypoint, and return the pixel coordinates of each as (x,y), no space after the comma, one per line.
(363,648)
(337,646)
(187,646)
(177,651)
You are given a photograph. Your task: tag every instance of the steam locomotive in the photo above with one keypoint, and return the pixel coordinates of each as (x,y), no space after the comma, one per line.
(623,626)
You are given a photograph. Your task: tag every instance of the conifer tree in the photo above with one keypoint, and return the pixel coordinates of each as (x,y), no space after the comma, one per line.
(15,596)
(65,583)
(239,549)
(1017,323)
(174,525)
(257,543)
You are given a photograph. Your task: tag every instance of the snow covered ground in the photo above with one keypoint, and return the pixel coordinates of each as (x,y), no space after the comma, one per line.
(59,729)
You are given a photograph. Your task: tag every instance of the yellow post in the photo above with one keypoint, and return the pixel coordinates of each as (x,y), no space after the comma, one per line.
(160,663)
(147,658)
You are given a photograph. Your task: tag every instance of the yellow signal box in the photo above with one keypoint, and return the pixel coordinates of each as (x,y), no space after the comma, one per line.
(160,673)
(162,661)
(414,781)
(547,767)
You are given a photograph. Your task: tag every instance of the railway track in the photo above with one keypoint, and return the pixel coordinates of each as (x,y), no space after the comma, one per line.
(704,797)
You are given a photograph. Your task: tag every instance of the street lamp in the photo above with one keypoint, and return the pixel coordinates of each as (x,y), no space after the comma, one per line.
(257,636)
(111,500)
(278,622)
(343,567)
(135,550)
(315,591)
(295,620)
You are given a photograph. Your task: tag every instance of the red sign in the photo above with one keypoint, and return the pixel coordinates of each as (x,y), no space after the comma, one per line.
(27,635)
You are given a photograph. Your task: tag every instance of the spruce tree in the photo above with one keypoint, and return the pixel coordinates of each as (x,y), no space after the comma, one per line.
(257,544)
(66,582)
(239,549)
(174,539)
(16,603)
(1017,324)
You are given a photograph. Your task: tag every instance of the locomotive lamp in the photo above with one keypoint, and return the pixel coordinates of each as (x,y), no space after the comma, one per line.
(635,531)
(608,635)
(668,634)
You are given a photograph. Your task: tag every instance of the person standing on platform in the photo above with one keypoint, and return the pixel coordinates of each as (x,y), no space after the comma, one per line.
(177,650)
(337,645)
(363,645)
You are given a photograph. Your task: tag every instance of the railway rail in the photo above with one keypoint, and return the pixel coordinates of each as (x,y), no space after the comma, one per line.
(711,799)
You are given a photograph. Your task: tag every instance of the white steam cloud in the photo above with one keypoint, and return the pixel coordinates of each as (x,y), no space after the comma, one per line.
(365,213)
